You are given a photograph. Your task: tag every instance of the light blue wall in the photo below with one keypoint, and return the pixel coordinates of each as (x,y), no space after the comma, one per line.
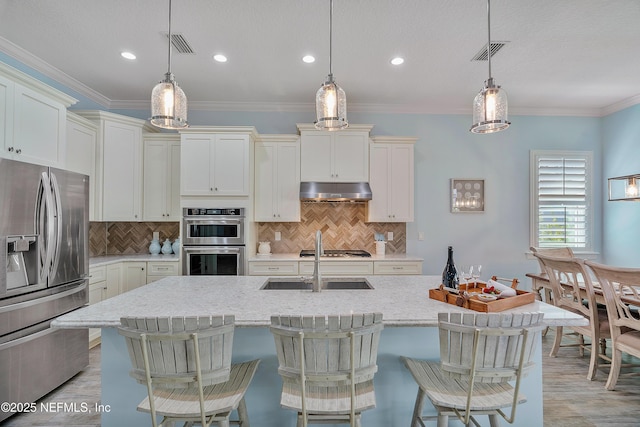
(621,220)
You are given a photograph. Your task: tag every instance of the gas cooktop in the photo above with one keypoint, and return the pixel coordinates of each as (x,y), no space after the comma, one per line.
(336,253)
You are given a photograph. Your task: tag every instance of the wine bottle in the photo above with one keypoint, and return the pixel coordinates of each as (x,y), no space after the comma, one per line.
(450,275)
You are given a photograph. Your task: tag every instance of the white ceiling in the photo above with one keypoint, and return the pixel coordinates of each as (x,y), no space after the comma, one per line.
(577,57)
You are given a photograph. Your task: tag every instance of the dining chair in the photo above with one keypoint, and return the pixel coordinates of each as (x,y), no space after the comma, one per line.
(480,354)
(621,288)
(573,290)
(327,365)
(185,362)
(539,288)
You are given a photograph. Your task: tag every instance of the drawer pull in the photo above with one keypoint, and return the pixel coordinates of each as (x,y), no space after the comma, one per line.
(398,268)
(273,268)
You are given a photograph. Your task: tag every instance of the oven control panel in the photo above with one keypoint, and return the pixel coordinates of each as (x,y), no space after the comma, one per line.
(213,212)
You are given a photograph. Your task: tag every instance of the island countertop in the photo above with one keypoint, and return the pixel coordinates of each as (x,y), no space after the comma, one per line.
(403,300)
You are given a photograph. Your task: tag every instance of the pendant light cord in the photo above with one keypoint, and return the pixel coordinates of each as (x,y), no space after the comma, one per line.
(169,66)
(489,35)
(330,36)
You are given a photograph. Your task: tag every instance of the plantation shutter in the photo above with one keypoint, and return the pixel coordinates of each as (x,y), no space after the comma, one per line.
(562,190)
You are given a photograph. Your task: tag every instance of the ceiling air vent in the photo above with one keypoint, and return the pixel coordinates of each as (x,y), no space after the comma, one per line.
(482,53)
(180,43)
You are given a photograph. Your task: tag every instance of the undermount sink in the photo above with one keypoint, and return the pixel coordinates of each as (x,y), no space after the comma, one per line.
(350,283)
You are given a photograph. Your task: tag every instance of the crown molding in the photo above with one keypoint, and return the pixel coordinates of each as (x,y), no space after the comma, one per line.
(618,106)
(32,61)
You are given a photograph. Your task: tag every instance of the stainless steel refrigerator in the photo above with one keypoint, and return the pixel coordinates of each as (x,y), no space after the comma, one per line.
(44,263)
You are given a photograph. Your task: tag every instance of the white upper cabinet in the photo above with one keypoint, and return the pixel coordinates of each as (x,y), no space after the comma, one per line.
(391,179)
(33,119)
(161,190)
(119,165)
(82,141)
(334,156)
(216,161)
(277,178)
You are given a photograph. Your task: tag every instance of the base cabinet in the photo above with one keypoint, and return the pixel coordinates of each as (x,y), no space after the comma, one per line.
(334,268)
(134,275)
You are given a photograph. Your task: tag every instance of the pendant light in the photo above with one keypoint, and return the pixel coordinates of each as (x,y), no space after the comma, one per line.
(331,101)
(168,101)
(490,106)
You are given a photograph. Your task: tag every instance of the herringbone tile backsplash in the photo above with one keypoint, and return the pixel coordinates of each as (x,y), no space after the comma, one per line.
(123,238)
(343,226)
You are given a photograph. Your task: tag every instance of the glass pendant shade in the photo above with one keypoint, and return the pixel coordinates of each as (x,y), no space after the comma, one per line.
(490,109)
(331,106)
(168,105)
(631,189)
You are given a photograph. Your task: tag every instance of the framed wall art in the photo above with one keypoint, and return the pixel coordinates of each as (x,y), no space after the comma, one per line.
(467,195)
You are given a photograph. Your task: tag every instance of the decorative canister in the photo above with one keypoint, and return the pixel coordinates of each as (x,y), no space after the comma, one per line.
(166,247)
(154,247)
(264,248)
(176,246)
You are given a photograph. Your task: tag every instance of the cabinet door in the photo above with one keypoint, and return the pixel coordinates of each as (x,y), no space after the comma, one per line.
(154,191)
(196,156)
(401,178)
(315,157)
(231,165)
(378,206)
(173,198)
(288,183)
(161,189)
(6,117)
(122,190)
(265,182)
(350,157)
(39,133)
(114,280)
(134,275)
(82,142)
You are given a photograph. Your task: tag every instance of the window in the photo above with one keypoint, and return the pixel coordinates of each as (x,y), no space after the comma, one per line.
(561,195)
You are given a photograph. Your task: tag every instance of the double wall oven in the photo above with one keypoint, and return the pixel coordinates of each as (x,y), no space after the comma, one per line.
(213,242)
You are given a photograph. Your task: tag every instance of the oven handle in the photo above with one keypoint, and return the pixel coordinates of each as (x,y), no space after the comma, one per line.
(213,249)
(213,221)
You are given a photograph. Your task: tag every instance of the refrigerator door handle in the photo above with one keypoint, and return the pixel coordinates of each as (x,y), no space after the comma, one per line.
(55,215)
(43,209)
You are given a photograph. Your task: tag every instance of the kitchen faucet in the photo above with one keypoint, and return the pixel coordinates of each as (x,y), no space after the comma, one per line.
(317,278)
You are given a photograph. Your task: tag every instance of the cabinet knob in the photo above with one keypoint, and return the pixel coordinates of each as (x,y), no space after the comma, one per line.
(211,189)
(10,149)
(142,268)
(216,188)
(19,150)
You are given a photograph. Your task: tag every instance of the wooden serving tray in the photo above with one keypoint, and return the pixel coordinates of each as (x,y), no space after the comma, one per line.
(473,303)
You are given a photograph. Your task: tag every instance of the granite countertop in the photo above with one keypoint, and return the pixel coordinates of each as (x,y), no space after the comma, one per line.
(403,300)
(112,259)
(297,257)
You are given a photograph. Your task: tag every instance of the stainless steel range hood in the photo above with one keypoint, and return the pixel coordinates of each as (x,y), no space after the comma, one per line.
(335,191)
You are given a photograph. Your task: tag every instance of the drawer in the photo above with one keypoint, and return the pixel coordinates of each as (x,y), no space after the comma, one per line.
(97,274)
(403,267)
(279,268)
(338,268)
(165,268)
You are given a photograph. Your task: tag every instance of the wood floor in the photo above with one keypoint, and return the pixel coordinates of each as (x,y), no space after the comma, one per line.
(569,398)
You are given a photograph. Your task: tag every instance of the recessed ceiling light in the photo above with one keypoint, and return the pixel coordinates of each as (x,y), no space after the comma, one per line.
(397,60)
(128,55)
(308,59)
(220,57)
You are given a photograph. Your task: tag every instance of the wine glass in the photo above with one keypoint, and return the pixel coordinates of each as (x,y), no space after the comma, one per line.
(475,271)
(462,274)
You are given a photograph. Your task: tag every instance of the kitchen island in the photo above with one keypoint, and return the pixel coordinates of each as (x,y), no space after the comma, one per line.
(409,316)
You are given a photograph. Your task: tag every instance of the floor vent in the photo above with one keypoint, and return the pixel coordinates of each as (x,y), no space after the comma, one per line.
(180,43)
(482,53)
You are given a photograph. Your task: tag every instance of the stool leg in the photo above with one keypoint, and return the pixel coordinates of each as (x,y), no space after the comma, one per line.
(494,420)
(417,409)
(243,415)
(556,342)
(443,420)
